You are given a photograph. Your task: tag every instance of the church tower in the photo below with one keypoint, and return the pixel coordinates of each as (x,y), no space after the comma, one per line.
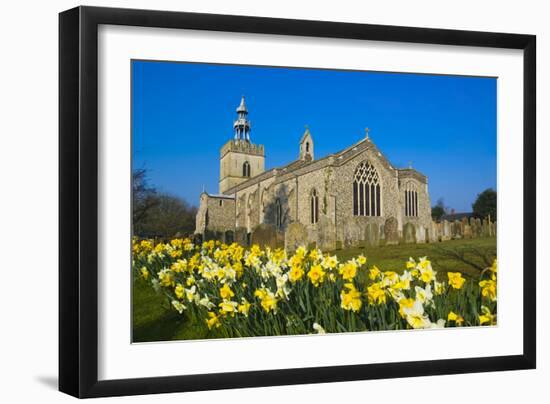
(240,159)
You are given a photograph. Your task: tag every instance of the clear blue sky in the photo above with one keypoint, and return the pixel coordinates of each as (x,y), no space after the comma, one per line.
(183,114)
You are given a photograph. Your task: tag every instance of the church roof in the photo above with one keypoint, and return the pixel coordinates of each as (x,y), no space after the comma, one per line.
(299,167)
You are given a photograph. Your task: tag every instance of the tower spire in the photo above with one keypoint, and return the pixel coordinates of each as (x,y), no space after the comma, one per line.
(241,126)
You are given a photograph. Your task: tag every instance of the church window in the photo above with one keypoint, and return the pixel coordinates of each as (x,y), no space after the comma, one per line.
(411,200)
(314,206)
(278,213)
(366,191)
(246,169)
(221,202)
(307,146)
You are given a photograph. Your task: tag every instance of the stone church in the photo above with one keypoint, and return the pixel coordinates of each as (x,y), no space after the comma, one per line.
(351,197)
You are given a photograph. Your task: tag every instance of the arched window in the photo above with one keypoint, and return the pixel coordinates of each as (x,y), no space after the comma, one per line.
(314,206)
(278,213)
(246,169)
(366,191)
(307,146)
(411,199)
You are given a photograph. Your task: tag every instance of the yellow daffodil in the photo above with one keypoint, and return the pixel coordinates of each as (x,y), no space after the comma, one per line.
(458,319)
(348,270)
(316,275)
(296,273)
(144,273)
(489,289)
(376,294)
(350,300)
(226,292)
(455,279)
(179,290)
(213,320)
(361,259)
(374,273)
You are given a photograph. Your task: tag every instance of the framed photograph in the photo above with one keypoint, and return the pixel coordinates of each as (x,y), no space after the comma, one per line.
(250,201)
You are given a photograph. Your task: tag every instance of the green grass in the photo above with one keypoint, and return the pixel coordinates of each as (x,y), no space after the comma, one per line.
(467,256)
(155,320)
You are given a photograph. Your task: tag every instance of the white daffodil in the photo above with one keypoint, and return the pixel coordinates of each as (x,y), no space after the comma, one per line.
(319,329)
(178,306)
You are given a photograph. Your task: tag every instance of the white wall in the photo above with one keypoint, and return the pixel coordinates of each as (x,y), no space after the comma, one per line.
(28,167)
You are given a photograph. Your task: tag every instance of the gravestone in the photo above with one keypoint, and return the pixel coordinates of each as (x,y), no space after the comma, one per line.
(197,239)
(420,234)
(265,235)
(229,237)
(446,231)
(372,235)
(240,236)
(467,231)
(353,233)
(391,234)
(295,236)
(326,234)
(409,233)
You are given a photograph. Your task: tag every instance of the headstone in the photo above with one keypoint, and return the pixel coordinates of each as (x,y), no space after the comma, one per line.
(446,231)
(409,233)
(265,235)
(326,234)
(197,239)
(241,236)
(391,234)
(229,237)
(467,231)
(420,234)
(295,236)
(353,233)
(457,227)
(372,235)
(338,245)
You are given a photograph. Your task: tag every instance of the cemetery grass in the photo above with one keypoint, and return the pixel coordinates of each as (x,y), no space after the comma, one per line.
(153,319)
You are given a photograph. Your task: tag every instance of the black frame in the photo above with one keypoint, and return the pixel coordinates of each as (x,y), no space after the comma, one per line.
(78,193)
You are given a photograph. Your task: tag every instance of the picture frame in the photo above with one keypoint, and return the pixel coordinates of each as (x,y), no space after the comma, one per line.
(78,200)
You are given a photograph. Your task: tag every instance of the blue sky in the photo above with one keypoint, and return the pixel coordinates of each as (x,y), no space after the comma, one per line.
(183,113)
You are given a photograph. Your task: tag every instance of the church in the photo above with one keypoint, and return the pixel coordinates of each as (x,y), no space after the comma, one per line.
(351,197)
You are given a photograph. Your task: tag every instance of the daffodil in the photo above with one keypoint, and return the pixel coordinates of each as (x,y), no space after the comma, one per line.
(348,270)
(296,273)
(178,306)
(318,329)
(455,279)
(244,307)
(351,300)
(489,289)
(226,292)
(144,273)
(376,294)
(213,320)
(457,318)
(316,275)
(374,273)
(179,291)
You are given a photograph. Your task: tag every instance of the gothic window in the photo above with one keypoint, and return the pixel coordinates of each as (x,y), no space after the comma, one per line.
(366,191)
(246,169)
(411,200)
(307,146)
(278,213)
(314,206)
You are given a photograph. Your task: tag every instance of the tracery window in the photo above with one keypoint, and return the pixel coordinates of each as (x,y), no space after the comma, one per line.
(314,206)
(366,191)
(278,213)
(411,199)
(246,169)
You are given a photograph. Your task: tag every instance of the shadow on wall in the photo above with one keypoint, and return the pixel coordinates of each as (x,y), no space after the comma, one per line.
(277,211)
